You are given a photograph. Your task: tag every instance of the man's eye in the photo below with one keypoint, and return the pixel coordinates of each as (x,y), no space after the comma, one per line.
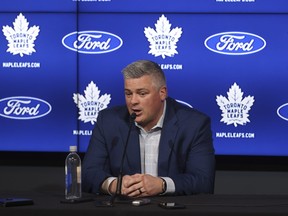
(142,93)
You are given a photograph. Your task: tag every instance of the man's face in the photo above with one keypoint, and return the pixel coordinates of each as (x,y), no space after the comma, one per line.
(145,100)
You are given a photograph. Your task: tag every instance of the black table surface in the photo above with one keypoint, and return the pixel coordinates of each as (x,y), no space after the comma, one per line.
(48,203)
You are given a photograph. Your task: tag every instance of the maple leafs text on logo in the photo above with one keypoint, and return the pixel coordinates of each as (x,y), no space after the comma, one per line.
(21,38)
(162,40)
(90,104)
(235,109)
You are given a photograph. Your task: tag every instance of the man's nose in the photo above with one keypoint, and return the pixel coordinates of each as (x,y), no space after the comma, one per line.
(134,99)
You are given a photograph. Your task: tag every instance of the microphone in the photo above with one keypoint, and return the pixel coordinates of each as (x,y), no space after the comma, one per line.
(120,175)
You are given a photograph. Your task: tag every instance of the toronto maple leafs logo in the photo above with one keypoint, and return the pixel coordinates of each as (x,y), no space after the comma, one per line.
(21,38)
(235,108)
(163,40)
(90,104)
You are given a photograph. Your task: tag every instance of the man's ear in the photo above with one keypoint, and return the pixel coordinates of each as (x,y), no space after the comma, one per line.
(163,93)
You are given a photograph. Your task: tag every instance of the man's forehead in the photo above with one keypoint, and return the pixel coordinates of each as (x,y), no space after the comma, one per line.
(136,89)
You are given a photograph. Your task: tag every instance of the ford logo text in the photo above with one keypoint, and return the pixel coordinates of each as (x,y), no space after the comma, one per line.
(92,42)
(24,108)
(235,43)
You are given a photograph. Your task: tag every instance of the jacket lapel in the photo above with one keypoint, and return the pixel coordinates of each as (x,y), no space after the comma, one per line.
(167,140)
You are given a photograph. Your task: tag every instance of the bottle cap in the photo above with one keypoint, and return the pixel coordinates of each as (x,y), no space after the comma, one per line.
(73,148)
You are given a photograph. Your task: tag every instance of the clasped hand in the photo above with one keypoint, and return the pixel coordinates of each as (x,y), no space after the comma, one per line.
(139,185)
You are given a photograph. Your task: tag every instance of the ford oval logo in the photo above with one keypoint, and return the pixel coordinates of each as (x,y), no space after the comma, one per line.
(235,43)
(185,103)
(282,111)
(22,107)
(92,42)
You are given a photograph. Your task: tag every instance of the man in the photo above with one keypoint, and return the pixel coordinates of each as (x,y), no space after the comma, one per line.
(169,149)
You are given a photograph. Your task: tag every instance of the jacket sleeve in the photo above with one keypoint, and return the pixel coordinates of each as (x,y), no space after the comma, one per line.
(95,168)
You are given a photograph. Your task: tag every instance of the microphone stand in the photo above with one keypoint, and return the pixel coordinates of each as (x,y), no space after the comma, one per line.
(117,194)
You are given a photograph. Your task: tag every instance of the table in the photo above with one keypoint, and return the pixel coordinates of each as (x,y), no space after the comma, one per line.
(48,203)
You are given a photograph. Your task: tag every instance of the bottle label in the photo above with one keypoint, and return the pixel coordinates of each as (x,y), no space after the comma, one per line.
(79,174)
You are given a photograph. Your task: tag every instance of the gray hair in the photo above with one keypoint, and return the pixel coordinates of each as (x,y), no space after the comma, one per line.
(141,68)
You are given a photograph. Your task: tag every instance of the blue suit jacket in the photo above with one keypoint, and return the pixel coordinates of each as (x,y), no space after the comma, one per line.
(186,152)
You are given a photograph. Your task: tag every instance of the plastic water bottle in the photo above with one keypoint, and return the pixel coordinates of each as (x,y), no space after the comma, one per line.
(73,188)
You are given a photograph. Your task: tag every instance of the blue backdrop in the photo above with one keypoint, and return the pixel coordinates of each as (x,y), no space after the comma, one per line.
(61,64)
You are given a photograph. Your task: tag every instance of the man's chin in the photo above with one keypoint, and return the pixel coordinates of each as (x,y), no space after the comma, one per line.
(138,121)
